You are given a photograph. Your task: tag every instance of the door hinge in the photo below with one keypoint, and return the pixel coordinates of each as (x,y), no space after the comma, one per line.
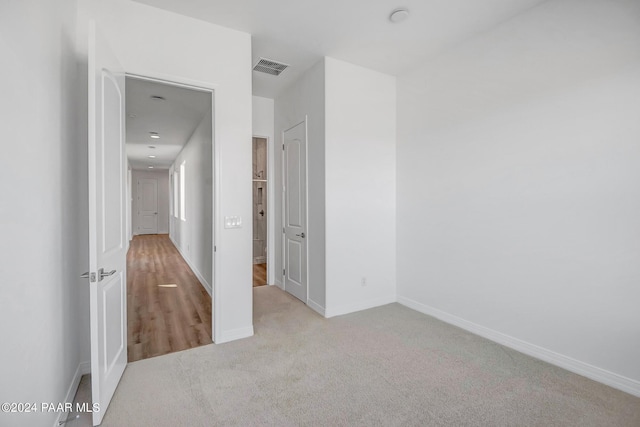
(282,147)
(282,230)
(215,248)
(284,271)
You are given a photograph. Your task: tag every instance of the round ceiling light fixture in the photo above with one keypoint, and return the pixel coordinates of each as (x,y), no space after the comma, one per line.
(154,135)
(150,167)
(151,157)
(399,15)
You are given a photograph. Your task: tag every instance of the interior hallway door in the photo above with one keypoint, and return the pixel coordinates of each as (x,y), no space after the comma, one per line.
(147,204)
(295,210)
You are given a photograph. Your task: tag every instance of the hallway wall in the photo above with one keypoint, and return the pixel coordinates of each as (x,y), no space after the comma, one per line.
(193,236)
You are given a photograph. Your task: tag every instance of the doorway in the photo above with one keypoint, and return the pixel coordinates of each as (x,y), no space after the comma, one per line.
(260,216)
(169,146)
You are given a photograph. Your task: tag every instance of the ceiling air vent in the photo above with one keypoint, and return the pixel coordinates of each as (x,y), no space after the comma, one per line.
(269,66)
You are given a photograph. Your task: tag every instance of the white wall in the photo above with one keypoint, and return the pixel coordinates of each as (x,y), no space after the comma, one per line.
(162,177)
(263,125)
(193,236)
(351,183)
(518,187)
(360,179)
(263,120)
(160,44)
(305,97)
(43,213)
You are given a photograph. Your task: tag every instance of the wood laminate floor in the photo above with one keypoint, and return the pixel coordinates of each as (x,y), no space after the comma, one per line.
(163,319)
(259,274)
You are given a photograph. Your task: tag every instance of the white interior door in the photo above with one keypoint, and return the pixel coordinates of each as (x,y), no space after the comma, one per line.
(147,206)
(295,211)
(107,223)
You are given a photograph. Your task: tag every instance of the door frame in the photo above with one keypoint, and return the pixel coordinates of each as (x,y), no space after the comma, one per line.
(306,199)
(270,210)
(177,81)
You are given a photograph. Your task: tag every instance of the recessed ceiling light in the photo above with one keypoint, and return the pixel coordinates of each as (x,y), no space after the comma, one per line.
(152,157)
(399,15)
(158,98)
(154,135)
(150,167)
(152,146)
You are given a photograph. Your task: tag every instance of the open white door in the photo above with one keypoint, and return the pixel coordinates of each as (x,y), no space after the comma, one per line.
(295,211)
(107,223)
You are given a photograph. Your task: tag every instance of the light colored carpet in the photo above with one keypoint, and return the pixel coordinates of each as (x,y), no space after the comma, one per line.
(387,366)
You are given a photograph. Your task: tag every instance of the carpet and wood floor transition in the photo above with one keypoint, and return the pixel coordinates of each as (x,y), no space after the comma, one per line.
(386,366)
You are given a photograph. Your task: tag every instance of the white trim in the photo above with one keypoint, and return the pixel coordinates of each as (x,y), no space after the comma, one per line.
(277,282)
(234,334)
(359,306)
(175,81)
(206,285)
(82,369)
(603,376)
(316,307)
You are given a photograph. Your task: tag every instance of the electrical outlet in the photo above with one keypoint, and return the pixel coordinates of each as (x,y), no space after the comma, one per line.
(363,281)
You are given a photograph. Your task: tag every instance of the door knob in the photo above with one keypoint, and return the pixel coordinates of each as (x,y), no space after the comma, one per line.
(102,274)
(300,235)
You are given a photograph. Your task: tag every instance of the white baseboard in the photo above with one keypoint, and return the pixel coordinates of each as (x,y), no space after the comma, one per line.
(278,283)
(206,285)
(363,305)
(316,307)
(82,369)
(603,376)
(234,334)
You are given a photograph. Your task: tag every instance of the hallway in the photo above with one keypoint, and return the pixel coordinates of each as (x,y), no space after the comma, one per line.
(168,310)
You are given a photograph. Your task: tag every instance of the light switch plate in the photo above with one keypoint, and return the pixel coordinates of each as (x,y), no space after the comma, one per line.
(232,222)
